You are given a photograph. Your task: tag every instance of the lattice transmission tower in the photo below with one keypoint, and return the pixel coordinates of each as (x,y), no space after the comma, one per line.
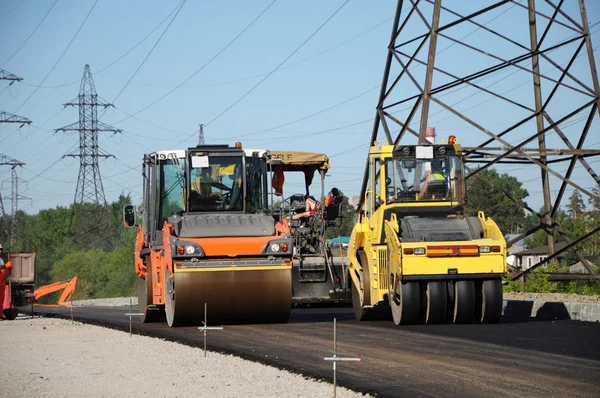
(201,140)
(516,81)
(6,117)
(89,182)
(15,197)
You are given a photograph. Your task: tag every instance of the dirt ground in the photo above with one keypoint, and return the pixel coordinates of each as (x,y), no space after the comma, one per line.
(566,298)
(49,357)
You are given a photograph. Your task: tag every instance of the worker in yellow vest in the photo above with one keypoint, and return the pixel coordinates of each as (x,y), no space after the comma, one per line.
(436,174)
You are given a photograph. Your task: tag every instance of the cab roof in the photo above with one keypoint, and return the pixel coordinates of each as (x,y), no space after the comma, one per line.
(300,161)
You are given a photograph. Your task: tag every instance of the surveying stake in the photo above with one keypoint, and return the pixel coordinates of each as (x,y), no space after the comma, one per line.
(207,328)
(131,313)
(335,358)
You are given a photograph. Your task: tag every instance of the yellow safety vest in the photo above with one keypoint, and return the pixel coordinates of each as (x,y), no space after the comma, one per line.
(207,185)
(437,176)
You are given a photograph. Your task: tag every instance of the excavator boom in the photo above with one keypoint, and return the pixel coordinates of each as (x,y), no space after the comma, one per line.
(68,286)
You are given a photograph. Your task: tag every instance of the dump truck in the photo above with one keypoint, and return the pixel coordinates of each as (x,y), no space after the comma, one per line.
(414,254)
(18,279)
(22,277)
(207,237)
(319,270)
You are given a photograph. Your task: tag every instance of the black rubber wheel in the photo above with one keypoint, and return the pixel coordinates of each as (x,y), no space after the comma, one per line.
(436,302)
(488,308)
(464,302)
(11,313)
(405,303)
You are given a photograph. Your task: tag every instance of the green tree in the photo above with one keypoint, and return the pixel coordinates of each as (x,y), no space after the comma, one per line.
(576,205)
(482,196)
(101,257)
(595,202)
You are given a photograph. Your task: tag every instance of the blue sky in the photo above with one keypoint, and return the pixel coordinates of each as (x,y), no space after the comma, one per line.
(322,98)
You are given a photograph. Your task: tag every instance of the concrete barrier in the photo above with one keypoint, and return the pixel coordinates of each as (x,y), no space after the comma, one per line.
(107,302)
(541,309)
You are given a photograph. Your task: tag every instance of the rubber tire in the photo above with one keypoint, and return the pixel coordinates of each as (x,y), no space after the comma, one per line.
(405,303)
(488,308)
(464,302)
(436,302)
(11,313)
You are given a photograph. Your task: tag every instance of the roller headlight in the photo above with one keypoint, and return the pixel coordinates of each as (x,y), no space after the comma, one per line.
(419,250)
(185,248)
(279,247)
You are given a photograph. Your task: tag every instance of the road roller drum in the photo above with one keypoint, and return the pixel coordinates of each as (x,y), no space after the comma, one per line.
(232,296)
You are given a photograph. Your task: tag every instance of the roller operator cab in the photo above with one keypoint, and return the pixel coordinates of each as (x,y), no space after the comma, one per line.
(414,253)
(207,236)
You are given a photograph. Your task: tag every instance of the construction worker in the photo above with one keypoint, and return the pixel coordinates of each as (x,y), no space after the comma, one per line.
(332,195)
(311,205)
(436,174)
(4,272)
(203,184)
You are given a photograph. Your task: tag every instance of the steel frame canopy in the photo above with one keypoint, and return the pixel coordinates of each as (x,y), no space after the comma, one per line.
(547,42)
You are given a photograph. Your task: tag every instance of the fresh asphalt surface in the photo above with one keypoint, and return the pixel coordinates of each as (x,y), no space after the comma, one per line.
(525,357)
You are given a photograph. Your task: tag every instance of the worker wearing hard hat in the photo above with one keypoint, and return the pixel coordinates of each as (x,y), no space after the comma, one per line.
(436,174)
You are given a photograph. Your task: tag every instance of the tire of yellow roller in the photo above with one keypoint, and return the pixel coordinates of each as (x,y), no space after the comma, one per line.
(233,296)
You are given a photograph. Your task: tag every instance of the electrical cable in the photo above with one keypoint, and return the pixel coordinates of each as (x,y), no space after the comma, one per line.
(119,58)
(270,73)
(243,79)
(60,58)
(148,55)
(277,67)
(29,37)
(343,102)
(203,66)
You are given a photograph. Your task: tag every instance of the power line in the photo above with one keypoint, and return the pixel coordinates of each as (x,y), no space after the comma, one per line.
(61,56)
(243,79)
(315,113)
(273,71)
(345,101)
(119,58)
(29,37)
(280,64)
(203,66)
(149,53)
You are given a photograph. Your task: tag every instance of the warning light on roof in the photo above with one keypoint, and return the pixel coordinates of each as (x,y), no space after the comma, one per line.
(452,140)
(238,144)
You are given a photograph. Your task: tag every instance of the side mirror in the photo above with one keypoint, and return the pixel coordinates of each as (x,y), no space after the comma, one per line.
(129,216)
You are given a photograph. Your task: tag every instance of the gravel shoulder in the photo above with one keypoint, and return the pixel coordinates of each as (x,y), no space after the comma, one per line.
(50,357)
